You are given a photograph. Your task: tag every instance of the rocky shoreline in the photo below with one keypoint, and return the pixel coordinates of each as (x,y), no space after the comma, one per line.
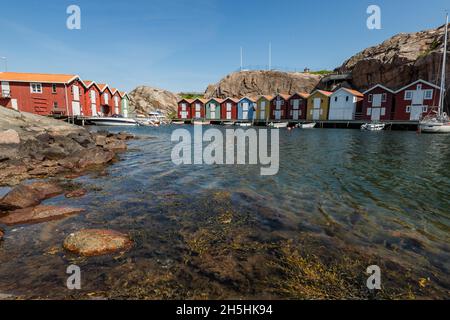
(34,147)
(37,147)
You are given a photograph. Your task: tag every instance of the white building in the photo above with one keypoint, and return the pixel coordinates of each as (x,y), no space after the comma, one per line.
(344,103)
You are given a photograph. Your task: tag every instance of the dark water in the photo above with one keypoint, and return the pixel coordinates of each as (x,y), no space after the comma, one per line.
(343,200)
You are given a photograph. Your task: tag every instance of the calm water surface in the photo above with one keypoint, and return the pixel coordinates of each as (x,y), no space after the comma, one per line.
(343,200)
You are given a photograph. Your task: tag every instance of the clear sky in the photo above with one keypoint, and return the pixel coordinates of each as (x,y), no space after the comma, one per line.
(184,45)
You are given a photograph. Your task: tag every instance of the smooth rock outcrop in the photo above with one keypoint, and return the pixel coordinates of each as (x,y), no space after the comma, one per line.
(1,234)
(38,214)
(145,99)
(96,242)
(255,83)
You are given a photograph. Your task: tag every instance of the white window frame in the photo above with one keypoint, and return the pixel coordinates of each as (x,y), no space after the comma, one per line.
(428,94)
(384,97)
(424,109)
(409,95)
(35,87)
(408,109)
(54,88)
(370,98)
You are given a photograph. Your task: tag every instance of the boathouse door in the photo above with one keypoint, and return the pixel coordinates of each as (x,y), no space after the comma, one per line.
(316,111)
(183,111)
(14,104)
(213,111)
(295,113)
(198,113)
(228,111)
(93,104)
(262,112)
(376,113)
(245,110)
(415,112)
(76,110)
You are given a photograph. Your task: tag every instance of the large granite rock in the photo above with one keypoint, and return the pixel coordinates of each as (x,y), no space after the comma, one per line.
(145,99)
(97,242)
(399,61)
(254,83)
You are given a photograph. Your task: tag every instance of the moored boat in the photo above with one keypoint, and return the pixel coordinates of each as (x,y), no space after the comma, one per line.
(279,125)
(307,125)
(111,121)
(373,126)
(438,121)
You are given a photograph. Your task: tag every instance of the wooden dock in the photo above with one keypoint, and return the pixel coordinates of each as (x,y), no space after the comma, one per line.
(338,124)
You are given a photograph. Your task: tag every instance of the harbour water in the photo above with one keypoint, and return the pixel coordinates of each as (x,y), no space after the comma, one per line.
(343,200)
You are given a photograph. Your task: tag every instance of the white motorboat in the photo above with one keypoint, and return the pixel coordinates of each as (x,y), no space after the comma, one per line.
(228,123)
(373,126)
(112,121)
(244,124)
(279,125)
(307,125)
(177,122)
(438,121)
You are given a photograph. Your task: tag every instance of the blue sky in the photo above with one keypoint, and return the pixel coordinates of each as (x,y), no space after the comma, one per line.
(186,45)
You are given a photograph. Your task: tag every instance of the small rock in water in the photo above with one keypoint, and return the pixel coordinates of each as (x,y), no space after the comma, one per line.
(1,234)
(76,193)
(95,242)
(38,214)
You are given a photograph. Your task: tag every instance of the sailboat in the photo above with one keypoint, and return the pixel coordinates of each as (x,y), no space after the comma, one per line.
(439,122)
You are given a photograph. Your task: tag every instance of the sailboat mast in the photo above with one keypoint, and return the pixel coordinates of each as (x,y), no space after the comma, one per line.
(443,89)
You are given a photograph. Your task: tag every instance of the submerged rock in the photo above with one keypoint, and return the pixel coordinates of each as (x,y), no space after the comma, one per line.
(1,234)
(38,214)
(25,196)
(96,242)
(76,193)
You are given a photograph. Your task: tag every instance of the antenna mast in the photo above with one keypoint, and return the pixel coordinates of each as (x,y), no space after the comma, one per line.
(443,88)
